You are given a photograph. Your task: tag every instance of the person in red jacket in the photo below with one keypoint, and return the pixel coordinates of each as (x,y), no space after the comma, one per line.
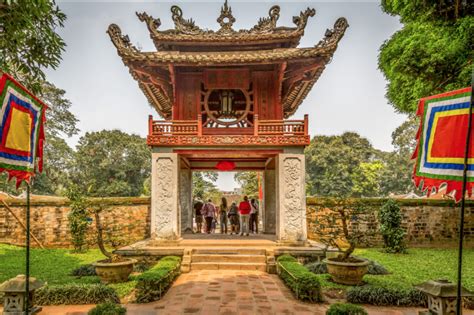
(244,209)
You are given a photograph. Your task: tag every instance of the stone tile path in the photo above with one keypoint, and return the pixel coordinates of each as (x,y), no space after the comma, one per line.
(228,292)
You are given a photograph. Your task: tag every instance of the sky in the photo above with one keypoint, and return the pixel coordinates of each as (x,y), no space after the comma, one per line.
(349,95)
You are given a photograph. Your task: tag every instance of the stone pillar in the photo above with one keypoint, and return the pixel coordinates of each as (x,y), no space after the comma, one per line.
(165,223)
(185,200)
(290,199)
(269,214)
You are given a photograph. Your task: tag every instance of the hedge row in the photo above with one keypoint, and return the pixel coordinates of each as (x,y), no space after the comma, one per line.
(377,295)
(345,309)
(152,284)
(75,294)
(302,282)
(108,309)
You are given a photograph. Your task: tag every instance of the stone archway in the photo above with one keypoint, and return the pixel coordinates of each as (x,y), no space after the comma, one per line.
(284,211)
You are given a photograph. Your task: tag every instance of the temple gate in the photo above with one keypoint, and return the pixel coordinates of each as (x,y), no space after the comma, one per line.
(226,95)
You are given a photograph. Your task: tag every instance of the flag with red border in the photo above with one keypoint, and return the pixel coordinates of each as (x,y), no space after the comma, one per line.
(22,118)
(441,145)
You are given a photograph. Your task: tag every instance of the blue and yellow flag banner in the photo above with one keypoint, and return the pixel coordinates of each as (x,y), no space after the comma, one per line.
(22,118)
(442,142)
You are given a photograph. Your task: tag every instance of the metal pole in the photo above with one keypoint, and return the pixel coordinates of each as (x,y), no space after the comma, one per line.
(463,201)
(27,284)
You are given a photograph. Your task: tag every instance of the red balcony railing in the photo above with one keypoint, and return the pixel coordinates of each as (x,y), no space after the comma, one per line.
(260,127)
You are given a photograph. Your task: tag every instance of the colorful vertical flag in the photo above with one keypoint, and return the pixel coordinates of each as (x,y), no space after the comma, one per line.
(442,142)
(260,191)
(22,118)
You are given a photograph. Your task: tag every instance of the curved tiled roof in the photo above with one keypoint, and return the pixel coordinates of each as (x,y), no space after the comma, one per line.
(153,70)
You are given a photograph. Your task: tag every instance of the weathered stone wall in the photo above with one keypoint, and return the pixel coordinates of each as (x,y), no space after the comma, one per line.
(49,220)
(426,222)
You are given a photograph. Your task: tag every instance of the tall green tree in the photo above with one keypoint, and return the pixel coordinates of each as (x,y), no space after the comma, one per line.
(204,184)
(431,54)
(111,163)
(28,39)
(397,173)
(249,182)
(334,165)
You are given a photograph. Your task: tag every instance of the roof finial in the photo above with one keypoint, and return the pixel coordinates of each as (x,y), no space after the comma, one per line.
(226,19)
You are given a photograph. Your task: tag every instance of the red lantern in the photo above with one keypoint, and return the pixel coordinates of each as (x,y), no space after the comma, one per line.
(225,166)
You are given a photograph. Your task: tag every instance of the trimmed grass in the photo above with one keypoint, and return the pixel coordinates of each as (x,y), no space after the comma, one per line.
(415,267)
(53,266)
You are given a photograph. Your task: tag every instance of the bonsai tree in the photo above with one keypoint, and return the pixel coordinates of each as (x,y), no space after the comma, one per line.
(343,225)
(115,268)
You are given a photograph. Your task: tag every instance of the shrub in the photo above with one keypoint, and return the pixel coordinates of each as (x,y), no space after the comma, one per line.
(346,309)
(84,271)
(78,219)
(376,295)
(374,268)
(318,267)
(76,294)
(153,283)
(108,309)
(287,257)
(390,218)
(300,280)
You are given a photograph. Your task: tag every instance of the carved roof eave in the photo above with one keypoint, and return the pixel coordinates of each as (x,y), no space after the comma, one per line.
(264,32)
(325,48)
(324,51)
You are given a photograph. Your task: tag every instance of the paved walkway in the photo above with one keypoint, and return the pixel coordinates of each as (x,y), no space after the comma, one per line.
(228,292)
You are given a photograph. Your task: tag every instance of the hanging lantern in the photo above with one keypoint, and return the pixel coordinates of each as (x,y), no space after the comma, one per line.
(225,166)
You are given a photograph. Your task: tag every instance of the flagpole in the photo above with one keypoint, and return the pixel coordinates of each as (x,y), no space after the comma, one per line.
(27,284)
(463,201)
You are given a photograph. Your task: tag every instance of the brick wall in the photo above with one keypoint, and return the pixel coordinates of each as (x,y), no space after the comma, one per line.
(49,222)
(426,222)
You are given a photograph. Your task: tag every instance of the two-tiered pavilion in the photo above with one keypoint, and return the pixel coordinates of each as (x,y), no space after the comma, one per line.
(226,95)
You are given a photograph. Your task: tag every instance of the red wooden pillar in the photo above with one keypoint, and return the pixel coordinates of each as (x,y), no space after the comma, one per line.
(150,125)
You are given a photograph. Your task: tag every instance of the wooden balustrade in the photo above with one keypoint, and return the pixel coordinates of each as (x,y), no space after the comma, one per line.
(261,127)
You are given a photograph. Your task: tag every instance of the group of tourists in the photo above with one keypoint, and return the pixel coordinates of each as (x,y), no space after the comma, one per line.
(242,219)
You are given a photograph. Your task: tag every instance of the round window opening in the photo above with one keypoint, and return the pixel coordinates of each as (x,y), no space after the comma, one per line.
(227,107)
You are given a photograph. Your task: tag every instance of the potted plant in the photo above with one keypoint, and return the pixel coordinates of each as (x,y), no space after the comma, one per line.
(115,268)
(340,224)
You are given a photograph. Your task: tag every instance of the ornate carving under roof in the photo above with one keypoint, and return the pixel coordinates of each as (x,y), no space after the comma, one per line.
(264,33)
(299,68)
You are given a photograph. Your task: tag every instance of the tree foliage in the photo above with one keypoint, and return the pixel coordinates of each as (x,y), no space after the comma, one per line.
(28,39)
(111,163)
(338,166)
(433,52)
(249,182)
(203,185)
(397,174)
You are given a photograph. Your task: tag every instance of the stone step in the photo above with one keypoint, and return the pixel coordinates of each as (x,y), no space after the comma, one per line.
(228,251)
(229,258)
(228,266)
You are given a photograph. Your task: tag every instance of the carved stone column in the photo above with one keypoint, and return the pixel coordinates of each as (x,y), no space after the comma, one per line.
(185,199)
(291,199)
(269,214)
(165,223)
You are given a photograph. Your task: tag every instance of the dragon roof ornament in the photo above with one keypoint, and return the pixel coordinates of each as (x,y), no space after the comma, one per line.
(265,29)
(303,65)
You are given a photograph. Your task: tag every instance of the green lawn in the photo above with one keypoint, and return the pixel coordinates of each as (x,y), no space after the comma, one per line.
(53,266)
(417,266)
